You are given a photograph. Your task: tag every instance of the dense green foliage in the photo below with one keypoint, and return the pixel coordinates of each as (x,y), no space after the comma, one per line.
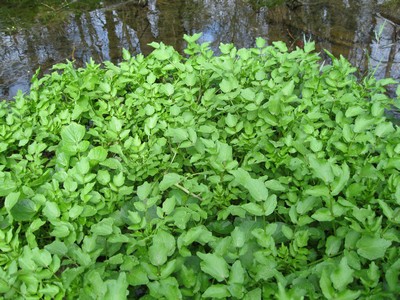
(253,174)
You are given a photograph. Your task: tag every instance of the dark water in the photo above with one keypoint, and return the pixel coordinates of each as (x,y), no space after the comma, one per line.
(42,33)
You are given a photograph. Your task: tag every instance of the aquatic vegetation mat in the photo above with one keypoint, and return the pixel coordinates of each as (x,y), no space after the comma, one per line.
(253,174)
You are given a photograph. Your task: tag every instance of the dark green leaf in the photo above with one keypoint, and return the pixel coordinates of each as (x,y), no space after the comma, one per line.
(23,210)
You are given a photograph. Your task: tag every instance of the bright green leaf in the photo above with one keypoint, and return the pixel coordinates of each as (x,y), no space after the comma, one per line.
(73,133)
(169,180)
(214,265)
(104,227)
(51,210)
(372,247)
(217,291)
(98,153)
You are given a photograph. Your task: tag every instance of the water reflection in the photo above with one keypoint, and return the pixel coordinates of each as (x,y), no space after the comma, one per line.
(226,21)
(361,30)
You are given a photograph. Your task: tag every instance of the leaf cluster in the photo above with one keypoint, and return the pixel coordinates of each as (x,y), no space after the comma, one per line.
(254,174)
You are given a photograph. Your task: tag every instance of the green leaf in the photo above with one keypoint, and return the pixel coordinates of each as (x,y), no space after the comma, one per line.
(103,177)
(144,190)
(228,84)
(51,210)
(281,46)
(214,265)
(260,42)
(192,38)
(372,247)
(323,215)
(316,145)
(36,224)
(326,285)
(154,45)
(162,247)
(342,276)
(41,257)
(125,54)
(191,79)
(137,276)
(309,46)
(392,274)
(23,210)
(216,291)
(362,123)
(167,288)
(254,294)
(104,227)
(383,129)
(105,87)
(224,152)
(26,261)
(256,187)
(269,205)
(119,179)
(321,169)
(347,133)
(98,153)
(387,211)
(354,111)
(198,233)
(162,54)
(275,185)
(287,90)
(340,182)
(11,200)
(260,75)
(169,89)
(238,237)
(57,247)
(333,244)
(116,124)
(151,78)
(169,180)
(251,107)
(230,120)
(178,134)
(248,94)
(253,208)
(83,166)
(168,205)
(3,146)
(237,274)
(7,187)
(75,211)
(117,288)
(73,133)
(274,104)
(168,269)
(149,109)
(60,230)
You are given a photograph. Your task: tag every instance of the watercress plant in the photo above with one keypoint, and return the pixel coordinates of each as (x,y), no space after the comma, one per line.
(253,174)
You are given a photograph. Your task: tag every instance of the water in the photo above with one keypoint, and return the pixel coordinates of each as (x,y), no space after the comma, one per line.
(42,33)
